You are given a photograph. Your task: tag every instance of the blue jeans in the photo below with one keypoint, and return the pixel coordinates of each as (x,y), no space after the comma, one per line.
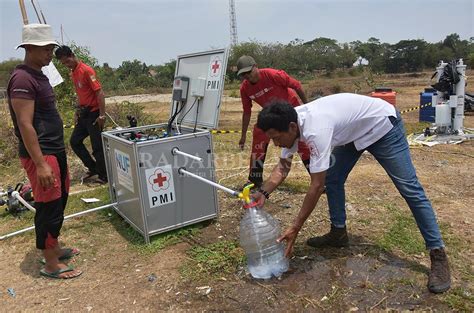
(393,153)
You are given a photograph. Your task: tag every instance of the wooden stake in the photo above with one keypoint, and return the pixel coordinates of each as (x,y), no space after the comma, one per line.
(23,12)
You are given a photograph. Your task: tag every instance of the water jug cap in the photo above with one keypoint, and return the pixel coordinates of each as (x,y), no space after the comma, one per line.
(250,204)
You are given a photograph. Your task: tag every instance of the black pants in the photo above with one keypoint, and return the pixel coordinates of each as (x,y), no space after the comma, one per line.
(49,216)
(85,128)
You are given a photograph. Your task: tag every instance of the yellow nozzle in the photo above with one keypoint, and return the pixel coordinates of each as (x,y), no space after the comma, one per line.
(245,194)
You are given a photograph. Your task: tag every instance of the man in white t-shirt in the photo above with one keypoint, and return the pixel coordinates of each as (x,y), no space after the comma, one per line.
(338,129)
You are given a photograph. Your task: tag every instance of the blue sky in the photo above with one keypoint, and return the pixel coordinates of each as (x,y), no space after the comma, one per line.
(157,31)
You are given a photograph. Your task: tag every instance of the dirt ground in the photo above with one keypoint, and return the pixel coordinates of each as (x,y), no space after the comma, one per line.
(201,268)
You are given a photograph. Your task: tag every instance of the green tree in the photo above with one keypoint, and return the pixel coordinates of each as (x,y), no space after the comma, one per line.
(407,56)
(6,68)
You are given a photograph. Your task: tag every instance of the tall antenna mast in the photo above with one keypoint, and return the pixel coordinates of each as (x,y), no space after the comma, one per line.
(233,24)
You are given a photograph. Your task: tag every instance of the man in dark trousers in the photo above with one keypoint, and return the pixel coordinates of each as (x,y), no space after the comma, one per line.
(89,117)
(338,129)
(39,129)
(264,86)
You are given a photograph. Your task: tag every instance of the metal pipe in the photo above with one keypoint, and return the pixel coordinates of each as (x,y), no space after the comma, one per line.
(16,195)
(36,11)
(176,151)
(16,233)
(209,182)
(90,210)
(65,218)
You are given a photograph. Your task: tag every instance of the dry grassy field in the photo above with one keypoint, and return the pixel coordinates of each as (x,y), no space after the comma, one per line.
(202,267)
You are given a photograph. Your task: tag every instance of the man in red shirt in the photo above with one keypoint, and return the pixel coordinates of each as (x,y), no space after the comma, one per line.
(39,129)
(265,86)
(90,115)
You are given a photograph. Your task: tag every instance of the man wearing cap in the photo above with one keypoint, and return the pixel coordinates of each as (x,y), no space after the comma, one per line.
(90,114)
(39,128)
(265,86)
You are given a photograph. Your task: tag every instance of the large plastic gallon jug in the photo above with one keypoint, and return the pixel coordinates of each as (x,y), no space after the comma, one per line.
(259,232)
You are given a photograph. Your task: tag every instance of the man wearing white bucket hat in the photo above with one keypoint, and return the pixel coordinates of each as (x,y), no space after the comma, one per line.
(39,129)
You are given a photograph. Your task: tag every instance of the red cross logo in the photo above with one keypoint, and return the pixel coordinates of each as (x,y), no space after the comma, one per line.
(215,66)
(160,180)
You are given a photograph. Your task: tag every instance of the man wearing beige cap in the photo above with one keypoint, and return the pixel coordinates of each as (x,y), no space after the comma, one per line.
(42,152)
(265,86)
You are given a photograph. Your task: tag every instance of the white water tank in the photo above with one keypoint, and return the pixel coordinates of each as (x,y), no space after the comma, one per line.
(443,115)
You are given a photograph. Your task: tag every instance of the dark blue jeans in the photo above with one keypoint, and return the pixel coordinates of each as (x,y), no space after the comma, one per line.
(393,153)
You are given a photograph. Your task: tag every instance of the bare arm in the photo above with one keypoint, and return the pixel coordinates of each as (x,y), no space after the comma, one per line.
(24,111)
(245,127)
(309,203)
(302,95)
(278,175)
(101,99)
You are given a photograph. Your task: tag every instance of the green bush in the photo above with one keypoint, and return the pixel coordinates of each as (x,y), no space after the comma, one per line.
(119,112)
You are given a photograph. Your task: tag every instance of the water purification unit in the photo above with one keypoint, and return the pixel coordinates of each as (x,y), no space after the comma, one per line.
(147,165)
(449,99)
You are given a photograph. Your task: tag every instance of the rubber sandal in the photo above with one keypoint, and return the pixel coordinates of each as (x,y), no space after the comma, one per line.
(56,274)
(69,253)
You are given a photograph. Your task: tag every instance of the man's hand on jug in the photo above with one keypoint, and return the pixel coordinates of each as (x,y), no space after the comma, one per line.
(259,198)
(290,237)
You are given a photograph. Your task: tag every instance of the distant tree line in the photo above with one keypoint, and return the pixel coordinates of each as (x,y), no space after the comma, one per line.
(325,54)
(297,57)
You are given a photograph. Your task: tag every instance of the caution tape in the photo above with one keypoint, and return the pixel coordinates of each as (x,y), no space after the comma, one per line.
(416,108)
(212,131)
(227,131)
(239,131)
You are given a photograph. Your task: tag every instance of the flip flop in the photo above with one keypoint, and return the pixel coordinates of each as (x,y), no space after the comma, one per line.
(68,253)
(56,274)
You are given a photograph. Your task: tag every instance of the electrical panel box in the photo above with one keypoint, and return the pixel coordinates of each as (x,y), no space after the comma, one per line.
(203,103)
(180,88)
(197,87)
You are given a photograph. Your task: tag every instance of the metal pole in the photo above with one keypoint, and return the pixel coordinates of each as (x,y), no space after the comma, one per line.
(36,11)
(90,211)
(65,218)
(176,151)
(209,182)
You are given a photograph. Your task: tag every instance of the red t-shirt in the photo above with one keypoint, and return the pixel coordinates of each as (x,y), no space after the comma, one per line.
(272,85)
(86,84)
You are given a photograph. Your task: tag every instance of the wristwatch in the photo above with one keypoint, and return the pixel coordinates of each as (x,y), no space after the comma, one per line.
(263,192)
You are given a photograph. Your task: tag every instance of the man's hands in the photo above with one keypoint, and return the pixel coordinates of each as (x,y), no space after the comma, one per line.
(259,198)
(45,175)
(76,118)
(100,121)
(242,141)
(289,236)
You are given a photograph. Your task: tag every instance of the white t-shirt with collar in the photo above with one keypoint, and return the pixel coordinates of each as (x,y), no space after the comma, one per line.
(337,120)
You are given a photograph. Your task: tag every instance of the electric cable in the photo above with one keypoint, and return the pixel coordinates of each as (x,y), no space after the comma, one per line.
(197,114)
(177,111)
(186,113)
